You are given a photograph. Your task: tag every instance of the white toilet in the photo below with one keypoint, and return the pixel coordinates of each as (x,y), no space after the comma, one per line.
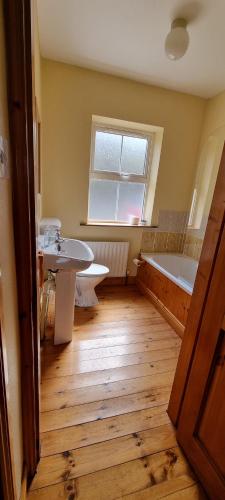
(86,281)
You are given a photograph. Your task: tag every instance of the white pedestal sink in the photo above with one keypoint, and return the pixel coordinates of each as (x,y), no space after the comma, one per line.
(64,306)
(73,256)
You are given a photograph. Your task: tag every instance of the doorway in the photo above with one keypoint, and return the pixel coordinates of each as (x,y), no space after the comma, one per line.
(78,413)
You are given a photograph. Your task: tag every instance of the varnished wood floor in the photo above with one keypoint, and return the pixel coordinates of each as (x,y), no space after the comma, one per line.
(105,433)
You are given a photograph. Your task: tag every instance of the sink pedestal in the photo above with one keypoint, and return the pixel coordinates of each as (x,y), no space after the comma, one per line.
(64,306)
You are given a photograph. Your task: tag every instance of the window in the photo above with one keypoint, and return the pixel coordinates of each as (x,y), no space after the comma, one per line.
(205,182)
(193,208)
(119,174)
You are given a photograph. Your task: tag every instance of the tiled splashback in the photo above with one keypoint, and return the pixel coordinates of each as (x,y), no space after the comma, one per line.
(170,234)
(192,246)
(157,241)
(172,221)
(194,240)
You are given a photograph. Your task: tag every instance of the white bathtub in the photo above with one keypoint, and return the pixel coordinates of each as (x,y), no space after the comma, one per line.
(177,267)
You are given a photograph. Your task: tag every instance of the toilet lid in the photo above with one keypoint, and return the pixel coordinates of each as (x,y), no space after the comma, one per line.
(94,270)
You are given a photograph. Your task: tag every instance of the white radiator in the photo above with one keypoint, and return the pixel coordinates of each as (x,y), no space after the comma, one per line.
(113,254)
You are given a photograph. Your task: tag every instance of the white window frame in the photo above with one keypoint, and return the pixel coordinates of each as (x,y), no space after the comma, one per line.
(120,177)
(193,208)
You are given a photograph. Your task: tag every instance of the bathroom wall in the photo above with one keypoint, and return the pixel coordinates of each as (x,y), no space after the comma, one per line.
(36,58)
(36,67)
(210,150)
(70,96)
(8,292)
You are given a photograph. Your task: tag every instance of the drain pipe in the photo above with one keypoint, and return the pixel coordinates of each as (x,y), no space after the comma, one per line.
(49,285)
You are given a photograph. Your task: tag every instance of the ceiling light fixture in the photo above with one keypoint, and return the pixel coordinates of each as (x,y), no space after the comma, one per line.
(177,40)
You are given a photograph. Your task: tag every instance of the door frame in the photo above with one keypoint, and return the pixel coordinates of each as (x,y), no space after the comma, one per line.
(17,20)
(20,103)
(6,472)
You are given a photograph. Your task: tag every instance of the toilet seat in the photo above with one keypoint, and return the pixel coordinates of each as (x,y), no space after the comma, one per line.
(93,271)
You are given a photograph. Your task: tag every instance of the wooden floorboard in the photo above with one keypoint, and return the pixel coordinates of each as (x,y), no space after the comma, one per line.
(102,409)
(105,430)
(80,396)
(135,476)
(123,314)
(123,326)
(63,367)
(117,350)
(111,341)
(101,456)
(60,440)
(153,317)
(64,383)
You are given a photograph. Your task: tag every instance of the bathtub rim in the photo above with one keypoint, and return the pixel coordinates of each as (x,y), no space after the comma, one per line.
(149,258)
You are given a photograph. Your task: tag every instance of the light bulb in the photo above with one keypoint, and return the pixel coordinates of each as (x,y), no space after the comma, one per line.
(177,40)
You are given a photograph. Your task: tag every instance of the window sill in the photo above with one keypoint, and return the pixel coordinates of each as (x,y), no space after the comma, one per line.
(108,224)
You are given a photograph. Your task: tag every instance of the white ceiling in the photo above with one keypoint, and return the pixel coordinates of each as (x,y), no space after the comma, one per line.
(126,38)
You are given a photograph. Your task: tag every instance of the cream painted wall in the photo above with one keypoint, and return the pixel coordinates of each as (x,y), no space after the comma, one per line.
(214,116)
(36,68)
(36,57)
(70,95)
(210,151)
(214,127)
(8,297)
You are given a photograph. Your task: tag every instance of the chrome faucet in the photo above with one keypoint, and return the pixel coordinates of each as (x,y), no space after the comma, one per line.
(58,239)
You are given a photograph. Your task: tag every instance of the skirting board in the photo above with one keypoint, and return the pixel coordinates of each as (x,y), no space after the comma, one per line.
(172,320)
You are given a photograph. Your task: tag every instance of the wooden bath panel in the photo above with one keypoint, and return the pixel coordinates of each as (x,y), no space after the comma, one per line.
(172,301)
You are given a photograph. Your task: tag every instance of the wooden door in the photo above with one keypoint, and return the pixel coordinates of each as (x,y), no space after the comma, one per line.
(18,31)
(201,427)
(197,402)
(206,267)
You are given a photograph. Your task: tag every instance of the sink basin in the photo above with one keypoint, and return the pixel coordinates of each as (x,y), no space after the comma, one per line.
(74,255)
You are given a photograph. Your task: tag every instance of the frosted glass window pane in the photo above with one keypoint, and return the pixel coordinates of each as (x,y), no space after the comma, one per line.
(133,155)
(102,200)
(107,151)
(131,198)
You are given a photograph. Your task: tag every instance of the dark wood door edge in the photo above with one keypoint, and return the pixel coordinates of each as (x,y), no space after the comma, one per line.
(23,494)
(6,474)
(19,68)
